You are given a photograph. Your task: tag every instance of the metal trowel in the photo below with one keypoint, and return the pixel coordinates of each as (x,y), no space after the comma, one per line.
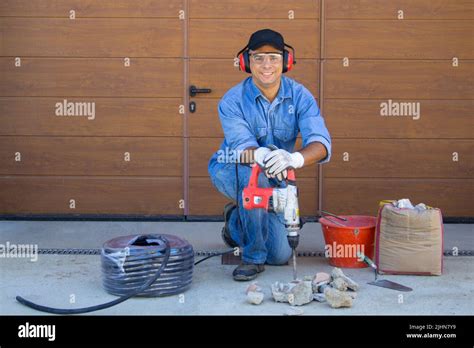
(382,282)
(390,285)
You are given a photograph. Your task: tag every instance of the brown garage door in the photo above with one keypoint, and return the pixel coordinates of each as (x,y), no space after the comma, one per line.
(144,153)
(118,64)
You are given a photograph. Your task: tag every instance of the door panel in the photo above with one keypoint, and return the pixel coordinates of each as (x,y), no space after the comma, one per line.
(399,52)
(262,9)
(400,39)
(125,60)
(362,195)
(386,158)
(92,8)
(360,118)
(204,122)
(91,195)
(91,77)
(413,9)
(93,37)
(152,156)
(417,79)
(211,65)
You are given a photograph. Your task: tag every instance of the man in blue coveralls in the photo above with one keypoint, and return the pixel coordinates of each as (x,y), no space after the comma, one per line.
(264,109)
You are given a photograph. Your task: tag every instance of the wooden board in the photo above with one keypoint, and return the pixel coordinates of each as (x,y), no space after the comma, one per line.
(392,158)
(113,117)
(362,196)
(204,198)
(205,121)
(92,8)
(413,9)
(91,77)
(262,9)
(391,79)
(360,118)
(92,195)
(91,156)
(92,37)
(413,39)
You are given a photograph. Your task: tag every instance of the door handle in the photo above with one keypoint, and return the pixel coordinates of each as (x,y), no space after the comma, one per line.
(193,90)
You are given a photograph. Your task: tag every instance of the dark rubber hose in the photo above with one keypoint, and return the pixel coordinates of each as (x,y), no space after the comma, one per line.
(121,299)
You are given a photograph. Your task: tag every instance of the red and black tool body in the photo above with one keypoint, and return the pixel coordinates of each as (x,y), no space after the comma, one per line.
(278,200)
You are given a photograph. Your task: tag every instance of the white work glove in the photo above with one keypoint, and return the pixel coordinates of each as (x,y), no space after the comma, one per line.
(279,161)
(260,154)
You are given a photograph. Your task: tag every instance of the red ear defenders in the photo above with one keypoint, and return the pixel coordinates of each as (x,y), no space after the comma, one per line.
(288,59)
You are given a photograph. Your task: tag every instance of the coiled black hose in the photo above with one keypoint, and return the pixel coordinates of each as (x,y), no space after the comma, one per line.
(127,261)
(129,266)
(107,304)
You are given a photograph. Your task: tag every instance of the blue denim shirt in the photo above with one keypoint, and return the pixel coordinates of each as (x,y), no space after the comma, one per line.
(249,119)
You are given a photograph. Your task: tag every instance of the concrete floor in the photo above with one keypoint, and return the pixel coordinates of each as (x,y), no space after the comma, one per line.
(53,279)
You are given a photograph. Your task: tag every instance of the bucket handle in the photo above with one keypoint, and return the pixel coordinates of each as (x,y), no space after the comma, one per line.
(335,222)
(333,215)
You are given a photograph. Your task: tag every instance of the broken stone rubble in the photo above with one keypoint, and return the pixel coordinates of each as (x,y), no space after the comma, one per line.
(255,297)
(337,298)
(336,294)
(254,294)
(337,273)
(296,293)
(253,287)
(319,297)
(339,284)
(320,279)
(323,287)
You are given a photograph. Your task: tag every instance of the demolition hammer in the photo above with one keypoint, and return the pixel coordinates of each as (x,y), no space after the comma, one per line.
(277,200)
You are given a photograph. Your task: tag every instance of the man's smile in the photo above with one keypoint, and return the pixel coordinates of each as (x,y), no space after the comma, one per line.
(266,76)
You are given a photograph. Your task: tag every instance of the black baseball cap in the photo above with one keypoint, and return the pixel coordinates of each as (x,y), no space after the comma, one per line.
(266,37)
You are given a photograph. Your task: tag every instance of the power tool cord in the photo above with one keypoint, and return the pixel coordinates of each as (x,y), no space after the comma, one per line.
(216,254)
(241,233)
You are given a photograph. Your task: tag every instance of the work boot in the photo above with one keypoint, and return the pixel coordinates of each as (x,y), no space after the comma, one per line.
(229,207)
(247,271)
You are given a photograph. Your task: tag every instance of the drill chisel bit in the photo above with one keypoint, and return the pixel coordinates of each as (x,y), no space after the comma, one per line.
(294,265)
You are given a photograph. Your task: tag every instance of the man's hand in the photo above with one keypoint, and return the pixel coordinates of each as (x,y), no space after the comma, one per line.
(279,161)
(260,154)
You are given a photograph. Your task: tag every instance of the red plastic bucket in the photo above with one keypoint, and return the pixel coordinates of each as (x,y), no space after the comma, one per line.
(343,242)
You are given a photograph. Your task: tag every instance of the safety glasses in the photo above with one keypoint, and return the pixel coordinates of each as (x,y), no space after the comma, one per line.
(273,58)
